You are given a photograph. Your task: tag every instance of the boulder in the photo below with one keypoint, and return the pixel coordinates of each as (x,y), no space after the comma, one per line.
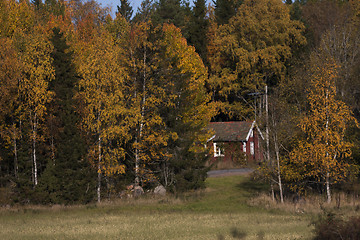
(160,190)
(138,191)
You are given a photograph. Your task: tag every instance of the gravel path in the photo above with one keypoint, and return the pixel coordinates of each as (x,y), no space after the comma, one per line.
(230,172)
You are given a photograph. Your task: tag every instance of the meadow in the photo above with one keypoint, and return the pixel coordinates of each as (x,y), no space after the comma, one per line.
(221,211)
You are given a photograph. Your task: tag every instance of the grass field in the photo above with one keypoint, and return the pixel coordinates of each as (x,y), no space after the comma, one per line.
(219,212)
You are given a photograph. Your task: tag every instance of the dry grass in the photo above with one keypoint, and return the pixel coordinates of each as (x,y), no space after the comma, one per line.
(342,203)
(112,224)
(220,212)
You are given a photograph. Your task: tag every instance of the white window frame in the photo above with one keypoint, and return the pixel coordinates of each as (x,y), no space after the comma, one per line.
(244,147)
(252,148)
(218,152)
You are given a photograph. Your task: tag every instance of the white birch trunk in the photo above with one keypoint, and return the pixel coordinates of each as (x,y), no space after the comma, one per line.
(98,190)
(34,150)
(137,159)
(99,171)
(268,140)
(142,113)
(328,192)
(278,169)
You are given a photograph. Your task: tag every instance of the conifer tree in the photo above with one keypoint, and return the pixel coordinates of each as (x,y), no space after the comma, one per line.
(198,28)
(171,11)
(224,10)
(125,10)
(145,11)
(68,177)
(187,114)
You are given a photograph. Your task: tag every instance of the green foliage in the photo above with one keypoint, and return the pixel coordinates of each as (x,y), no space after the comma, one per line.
(68,177)
(198,28)
(125,10)
(172,12)
(81,91)
(224,10)
(145,11)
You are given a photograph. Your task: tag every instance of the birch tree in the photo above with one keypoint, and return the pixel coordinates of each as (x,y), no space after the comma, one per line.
(33,87)
(10,74)
(323,153)
(101,89)
(251,50)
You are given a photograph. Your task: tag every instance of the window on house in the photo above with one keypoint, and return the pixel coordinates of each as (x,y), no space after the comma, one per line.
(218,151)
(244,147)
(252,149)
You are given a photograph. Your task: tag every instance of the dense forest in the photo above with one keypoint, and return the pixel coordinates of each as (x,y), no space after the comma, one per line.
(91,104)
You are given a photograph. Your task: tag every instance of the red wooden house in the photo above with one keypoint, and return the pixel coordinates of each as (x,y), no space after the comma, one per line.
(234,140)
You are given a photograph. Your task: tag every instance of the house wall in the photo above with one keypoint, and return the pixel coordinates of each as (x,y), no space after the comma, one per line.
(233,151)
(258,153)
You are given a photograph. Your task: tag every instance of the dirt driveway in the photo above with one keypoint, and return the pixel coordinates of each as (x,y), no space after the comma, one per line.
(230,172)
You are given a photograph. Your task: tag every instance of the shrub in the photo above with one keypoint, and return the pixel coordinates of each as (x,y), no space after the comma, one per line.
(332,227)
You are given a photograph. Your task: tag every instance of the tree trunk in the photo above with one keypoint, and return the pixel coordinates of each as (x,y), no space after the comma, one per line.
(142,113)
(268,140)
(99,172)
(16,167)
(34,150)
(328,192)
(52,149)
(278,169)
(137,161)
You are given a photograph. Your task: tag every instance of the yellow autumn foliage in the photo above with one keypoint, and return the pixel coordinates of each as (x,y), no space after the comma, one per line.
(324,151)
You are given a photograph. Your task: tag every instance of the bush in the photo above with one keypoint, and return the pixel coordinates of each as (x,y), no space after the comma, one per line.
(332,227)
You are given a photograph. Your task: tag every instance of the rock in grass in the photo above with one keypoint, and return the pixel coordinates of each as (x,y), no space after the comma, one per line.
(138,191)
(160,190)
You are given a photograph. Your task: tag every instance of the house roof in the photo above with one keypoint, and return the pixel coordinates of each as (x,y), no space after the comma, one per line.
(231,131)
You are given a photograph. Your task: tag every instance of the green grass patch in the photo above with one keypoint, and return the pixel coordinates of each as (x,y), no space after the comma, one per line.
(218,212)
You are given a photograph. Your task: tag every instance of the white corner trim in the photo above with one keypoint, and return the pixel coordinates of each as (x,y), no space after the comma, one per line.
(250,131)
(210,139)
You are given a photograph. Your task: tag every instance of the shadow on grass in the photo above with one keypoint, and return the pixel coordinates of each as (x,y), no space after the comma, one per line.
(252,187)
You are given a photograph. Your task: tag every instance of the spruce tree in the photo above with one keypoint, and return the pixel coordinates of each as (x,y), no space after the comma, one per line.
(171,11)
(145,11)
(224,10)
(125,10)
(68,177)
(198,28)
